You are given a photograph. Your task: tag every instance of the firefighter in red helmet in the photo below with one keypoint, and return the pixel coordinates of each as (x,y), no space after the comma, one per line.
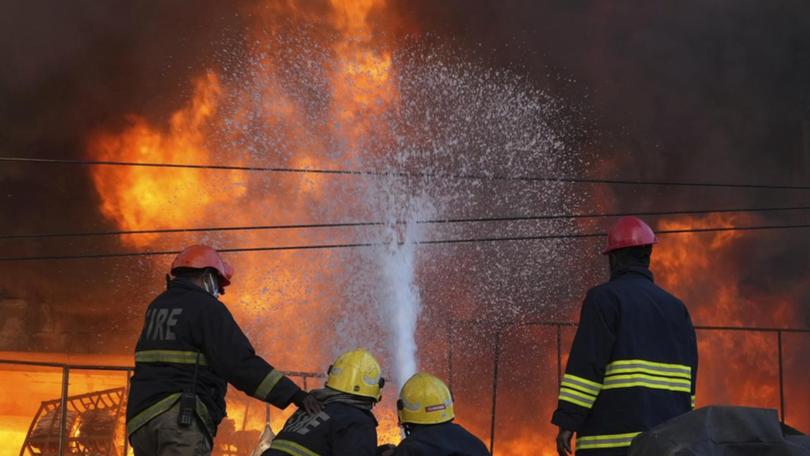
(190,348)
(633,362)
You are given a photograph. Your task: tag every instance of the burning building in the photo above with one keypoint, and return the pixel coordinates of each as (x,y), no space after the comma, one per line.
(403,116)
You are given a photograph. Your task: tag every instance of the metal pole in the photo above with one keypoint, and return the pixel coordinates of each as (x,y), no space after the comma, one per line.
(126,437)
(559,355)
(63,409)
(495,389)
(450,354)
(781,377)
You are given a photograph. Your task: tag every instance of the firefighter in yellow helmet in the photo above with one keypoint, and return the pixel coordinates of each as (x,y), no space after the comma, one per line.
(346,425)
(425,411)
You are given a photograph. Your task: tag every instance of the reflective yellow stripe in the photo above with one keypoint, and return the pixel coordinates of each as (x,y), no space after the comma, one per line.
(584,381)
(267,385)
(693,401)
(605,441)
(640,365)
(291,448)
(647,381)
(164,405)
(575,397)
(582,384)
(579,394)
(169,356)
(152,411)
(578,387)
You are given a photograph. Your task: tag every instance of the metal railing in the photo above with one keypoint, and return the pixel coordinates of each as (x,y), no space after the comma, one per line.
(128,370)
(500,328)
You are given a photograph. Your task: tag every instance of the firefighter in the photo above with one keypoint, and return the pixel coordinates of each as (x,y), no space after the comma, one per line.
(633,362)
(425,411)
(190,348)
(346,426)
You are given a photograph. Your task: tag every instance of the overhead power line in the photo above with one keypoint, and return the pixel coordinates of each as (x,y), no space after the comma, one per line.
(378,223)
(346,172)
(373,244)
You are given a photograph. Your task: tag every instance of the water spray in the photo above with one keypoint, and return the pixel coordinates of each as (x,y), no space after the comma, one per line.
(402,305)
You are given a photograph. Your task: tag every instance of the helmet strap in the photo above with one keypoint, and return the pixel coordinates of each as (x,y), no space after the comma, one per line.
(210,283)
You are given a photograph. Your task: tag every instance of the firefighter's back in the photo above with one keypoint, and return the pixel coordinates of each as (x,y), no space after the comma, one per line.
(650,376)
(445,439)
(340,429)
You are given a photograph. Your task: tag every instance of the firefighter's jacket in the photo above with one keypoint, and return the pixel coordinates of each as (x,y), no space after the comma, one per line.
(632,366)
(345,427)
(445,439)
(185,326)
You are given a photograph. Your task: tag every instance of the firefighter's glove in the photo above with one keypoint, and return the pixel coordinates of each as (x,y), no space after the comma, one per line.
(564,442)
(306,401)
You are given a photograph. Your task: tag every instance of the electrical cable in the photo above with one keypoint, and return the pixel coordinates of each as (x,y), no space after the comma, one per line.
(377,223)
(373,244)
(493,177)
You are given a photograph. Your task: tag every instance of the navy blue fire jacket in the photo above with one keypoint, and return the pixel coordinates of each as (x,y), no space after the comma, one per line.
(185,325)
(445,439)
(339,430)
(632,366)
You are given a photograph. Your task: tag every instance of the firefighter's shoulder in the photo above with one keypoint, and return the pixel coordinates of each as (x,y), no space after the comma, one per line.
(345,415)
(604,294)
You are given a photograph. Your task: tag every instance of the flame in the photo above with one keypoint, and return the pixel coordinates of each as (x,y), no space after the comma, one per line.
(138,198)
(362,90)
(735,368)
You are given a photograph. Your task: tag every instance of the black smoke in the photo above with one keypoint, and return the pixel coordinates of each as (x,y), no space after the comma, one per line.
(694,91)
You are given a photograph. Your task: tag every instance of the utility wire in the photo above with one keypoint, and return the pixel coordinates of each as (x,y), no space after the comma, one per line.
(486,177)
(378,223)
(373,244)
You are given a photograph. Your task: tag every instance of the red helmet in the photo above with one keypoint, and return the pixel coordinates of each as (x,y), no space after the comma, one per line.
(201,257)
(629,232)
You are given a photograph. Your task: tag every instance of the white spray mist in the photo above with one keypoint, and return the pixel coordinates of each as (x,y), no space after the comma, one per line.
(401,302)
(403,305)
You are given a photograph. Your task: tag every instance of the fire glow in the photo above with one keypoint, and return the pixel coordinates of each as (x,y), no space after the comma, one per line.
(362,86)
(143,198)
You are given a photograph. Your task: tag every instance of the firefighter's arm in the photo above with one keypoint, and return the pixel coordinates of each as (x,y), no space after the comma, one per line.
(590,354)
(230,354)
(693,349)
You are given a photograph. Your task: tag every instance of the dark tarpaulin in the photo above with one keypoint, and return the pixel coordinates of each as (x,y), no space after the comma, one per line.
(722,431)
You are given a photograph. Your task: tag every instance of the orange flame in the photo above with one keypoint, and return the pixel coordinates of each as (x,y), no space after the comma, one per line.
(735,368)
(139,198)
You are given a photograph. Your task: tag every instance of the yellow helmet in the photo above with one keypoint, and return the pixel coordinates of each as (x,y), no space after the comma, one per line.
(425,399)
(356,372)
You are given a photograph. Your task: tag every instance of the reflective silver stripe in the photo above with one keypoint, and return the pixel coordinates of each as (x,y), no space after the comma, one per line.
(267,385)
(605,441)
(574,397)
(291,448)
(650,367)
(648,381)
(150,412)
(169,356)
(650,378)
(581,384)
(165,404)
